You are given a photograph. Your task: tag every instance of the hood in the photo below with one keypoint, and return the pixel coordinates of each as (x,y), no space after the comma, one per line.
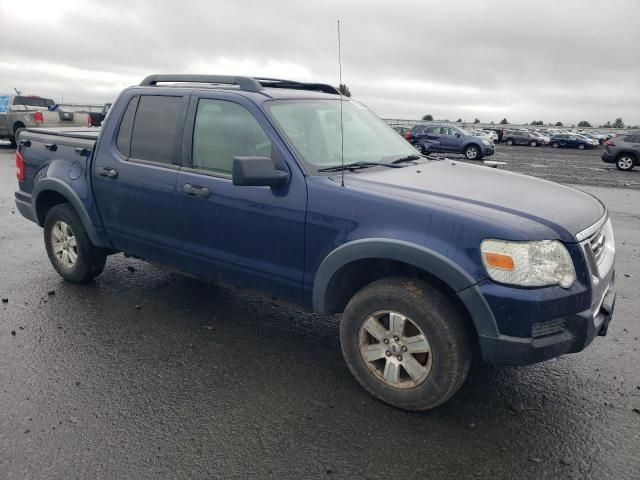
(488,192)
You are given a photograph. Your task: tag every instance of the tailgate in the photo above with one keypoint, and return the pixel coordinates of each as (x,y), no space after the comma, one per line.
(65,118)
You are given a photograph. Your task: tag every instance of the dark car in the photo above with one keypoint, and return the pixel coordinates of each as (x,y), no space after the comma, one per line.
(623,150)
(248,182)
(569,141)
(448,139)
(521,137)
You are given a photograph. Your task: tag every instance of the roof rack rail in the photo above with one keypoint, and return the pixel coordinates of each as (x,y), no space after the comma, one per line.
(245,83)
(280,83)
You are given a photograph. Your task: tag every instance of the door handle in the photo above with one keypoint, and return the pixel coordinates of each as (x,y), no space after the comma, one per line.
(25,143)
(108,172)
(196,190)
(51,146)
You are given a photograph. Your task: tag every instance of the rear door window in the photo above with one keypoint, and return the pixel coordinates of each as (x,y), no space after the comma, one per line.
(155,129)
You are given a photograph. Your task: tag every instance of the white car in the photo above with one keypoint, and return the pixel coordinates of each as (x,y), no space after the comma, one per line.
(485,135)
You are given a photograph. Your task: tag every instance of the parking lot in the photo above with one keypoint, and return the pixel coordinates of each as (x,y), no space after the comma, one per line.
(147,374)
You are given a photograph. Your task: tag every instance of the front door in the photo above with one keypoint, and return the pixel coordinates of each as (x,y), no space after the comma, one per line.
(247,236)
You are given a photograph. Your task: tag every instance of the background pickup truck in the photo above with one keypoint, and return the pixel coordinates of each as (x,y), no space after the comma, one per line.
(248,182)
(18,112)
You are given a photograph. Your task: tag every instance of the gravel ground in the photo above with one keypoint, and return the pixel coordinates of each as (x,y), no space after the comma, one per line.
(144,374)
(572,166)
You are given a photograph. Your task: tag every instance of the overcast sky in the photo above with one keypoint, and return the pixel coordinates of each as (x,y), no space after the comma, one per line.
(565,60)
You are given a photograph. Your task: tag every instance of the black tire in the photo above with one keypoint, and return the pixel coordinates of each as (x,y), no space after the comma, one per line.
(419,147)
(625,162)
(443,325)
(509,141)
(533,143)
(472,152)
(581,146)
(555,145)
(90,260)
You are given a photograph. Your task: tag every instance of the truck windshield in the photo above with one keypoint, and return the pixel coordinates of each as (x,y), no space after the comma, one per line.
(313,130)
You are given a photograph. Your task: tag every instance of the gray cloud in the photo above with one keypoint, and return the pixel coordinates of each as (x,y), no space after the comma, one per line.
(548,60)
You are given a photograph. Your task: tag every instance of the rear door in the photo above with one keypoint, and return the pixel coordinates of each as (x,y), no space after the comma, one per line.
(135,174)
(247,236)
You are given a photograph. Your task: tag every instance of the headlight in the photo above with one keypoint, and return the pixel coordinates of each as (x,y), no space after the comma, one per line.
(486,142)
(528,264)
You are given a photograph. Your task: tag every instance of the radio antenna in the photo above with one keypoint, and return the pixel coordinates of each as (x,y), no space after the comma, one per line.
(341,99)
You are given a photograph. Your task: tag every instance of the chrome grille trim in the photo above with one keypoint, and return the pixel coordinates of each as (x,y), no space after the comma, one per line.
(589,231)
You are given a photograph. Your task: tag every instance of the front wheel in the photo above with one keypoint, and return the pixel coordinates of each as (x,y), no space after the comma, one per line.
(419,147)
(68,246)
(624,162)
(472,152)
(533,143)
(406,343)
(581,146)
(555,144)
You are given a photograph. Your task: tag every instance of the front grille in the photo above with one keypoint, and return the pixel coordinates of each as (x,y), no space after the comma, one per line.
(547,328)
(597,244)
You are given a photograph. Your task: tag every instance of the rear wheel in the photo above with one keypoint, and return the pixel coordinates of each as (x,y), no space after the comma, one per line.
(533,143)
(625,162)
(581,146)
(16,135)
(510,141)
(555,144)
(406,343)
(68,246)
(472,152)
(420,148)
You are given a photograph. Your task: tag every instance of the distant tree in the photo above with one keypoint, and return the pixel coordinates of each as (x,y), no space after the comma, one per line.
(606,125)
(459,120)
(618,123)
(584,124)
(477,120)
(492,122)
(537,122)
(344,90)
(559,124)
(427,118)
(504,121)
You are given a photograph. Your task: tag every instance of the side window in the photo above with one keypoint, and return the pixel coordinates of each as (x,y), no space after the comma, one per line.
(224,130)
(126,126)
(155,128)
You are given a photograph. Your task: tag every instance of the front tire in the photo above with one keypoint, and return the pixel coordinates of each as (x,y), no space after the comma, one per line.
(555,145)
(420,148)
(625,162)
(472,152)
(68,246)
(533,143)
(406,343)
(581,146)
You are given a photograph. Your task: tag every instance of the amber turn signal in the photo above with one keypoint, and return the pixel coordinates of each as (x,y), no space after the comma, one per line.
(497,260)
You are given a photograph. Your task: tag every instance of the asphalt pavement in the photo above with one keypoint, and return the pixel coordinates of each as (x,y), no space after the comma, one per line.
(147,374)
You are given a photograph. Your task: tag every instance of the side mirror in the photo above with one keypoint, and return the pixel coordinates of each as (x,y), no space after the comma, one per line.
(458,135)
(257,172)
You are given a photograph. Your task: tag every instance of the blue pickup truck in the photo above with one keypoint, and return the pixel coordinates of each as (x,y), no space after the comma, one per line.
(295,192)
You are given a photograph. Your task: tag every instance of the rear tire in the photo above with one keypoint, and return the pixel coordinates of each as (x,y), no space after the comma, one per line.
(555,145)
(16,135)
(581,146)
(625,162)
(533,143)
(424,347)
(420,148)
(68,246)
(510,141)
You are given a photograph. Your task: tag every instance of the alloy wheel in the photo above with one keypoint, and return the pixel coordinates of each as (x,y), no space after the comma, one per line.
(395,349)
(64,245)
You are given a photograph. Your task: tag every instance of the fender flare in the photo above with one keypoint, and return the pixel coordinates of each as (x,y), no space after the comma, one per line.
(55,185)
(432,262)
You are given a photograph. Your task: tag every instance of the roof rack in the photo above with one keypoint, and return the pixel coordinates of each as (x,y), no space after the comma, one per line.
(245,83)
(249,84)
(280,83)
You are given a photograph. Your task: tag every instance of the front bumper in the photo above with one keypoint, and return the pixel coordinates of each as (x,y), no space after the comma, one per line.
(578,332)
(487,151)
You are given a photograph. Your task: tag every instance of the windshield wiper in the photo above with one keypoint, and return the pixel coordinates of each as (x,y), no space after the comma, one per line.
(408,158)
(357,166)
